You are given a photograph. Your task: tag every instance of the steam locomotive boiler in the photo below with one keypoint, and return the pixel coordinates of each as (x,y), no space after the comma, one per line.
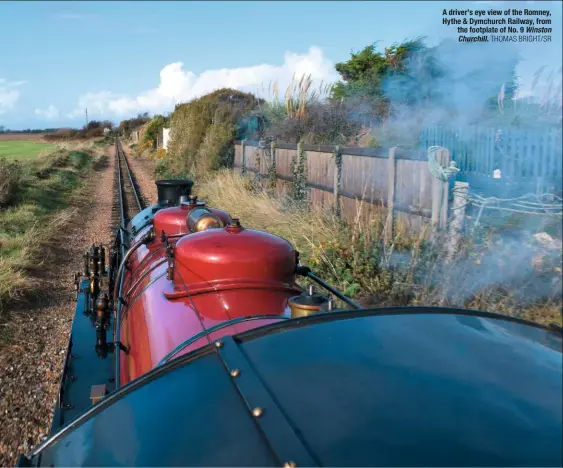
(193,344)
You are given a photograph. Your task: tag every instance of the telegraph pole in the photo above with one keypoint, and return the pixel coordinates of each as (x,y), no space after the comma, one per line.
(86,116)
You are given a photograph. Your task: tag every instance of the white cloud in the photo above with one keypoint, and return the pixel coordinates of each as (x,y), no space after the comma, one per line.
(180,85)
(9,95)
(47,114)
(7,99)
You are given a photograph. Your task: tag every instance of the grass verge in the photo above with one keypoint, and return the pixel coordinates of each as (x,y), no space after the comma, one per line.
(40,202)
(516,275)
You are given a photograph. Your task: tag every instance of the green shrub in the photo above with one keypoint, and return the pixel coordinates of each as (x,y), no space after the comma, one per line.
(163,171)
(203,129)
(79,159)
(154,128)
(216,150)
(127,126)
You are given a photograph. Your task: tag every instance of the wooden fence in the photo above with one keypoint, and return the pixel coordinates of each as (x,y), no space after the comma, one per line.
(355,181)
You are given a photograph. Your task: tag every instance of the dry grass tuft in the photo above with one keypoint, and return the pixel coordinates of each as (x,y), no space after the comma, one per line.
(10,173)
(305,114)
(258,210)
(298,98)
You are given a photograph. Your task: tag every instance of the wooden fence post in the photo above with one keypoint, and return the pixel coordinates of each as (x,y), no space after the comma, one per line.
(337,180)
(273,170)
(391,181)
(299,177)
(461,191)
(440,194)
(243,157)
(258,158)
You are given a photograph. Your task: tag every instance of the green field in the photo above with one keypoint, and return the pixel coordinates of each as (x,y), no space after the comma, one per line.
(21,149)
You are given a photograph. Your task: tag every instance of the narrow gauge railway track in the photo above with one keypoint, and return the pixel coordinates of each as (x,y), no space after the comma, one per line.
(128,198)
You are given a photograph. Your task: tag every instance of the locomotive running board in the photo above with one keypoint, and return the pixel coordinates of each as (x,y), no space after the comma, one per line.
(83,369)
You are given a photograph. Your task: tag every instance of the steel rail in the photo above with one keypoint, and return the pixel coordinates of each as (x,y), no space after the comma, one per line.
(140,204)
(120,187)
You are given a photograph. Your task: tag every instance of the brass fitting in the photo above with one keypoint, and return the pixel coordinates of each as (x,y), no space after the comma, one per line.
(201,219)
(307,304)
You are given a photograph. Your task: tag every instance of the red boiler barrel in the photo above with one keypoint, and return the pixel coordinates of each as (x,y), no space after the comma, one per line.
(218,275)
(249,272)
(233,255)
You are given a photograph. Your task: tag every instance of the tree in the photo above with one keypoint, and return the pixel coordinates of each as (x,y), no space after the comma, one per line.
(154,128)
(204,128)
(127,126)
(366,70)
(450,80)
(373,80)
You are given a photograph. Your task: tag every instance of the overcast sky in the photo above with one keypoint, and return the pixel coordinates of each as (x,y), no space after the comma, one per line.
(120,58)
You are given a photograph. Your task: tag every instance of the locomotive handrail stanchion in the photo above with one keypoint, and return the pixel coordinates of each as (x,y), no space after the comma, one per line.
(149,236)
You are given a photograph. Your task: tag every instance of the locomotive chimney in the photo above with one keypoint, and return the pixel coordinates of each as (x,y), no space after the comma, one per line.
(172,192)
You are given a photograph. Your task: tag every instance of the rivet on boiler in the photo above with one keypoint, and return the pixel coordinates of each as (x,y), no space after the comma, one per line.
(289,464)
(219,344)
(235,373)
(257,412)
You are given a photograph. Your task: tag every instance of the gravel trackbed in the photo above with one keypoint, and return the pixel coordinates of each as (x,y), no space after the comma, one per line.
(30,366)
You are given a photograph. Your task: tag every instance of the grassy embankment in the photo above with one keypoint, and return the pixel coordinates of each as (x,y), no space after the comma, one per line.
(36,194)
